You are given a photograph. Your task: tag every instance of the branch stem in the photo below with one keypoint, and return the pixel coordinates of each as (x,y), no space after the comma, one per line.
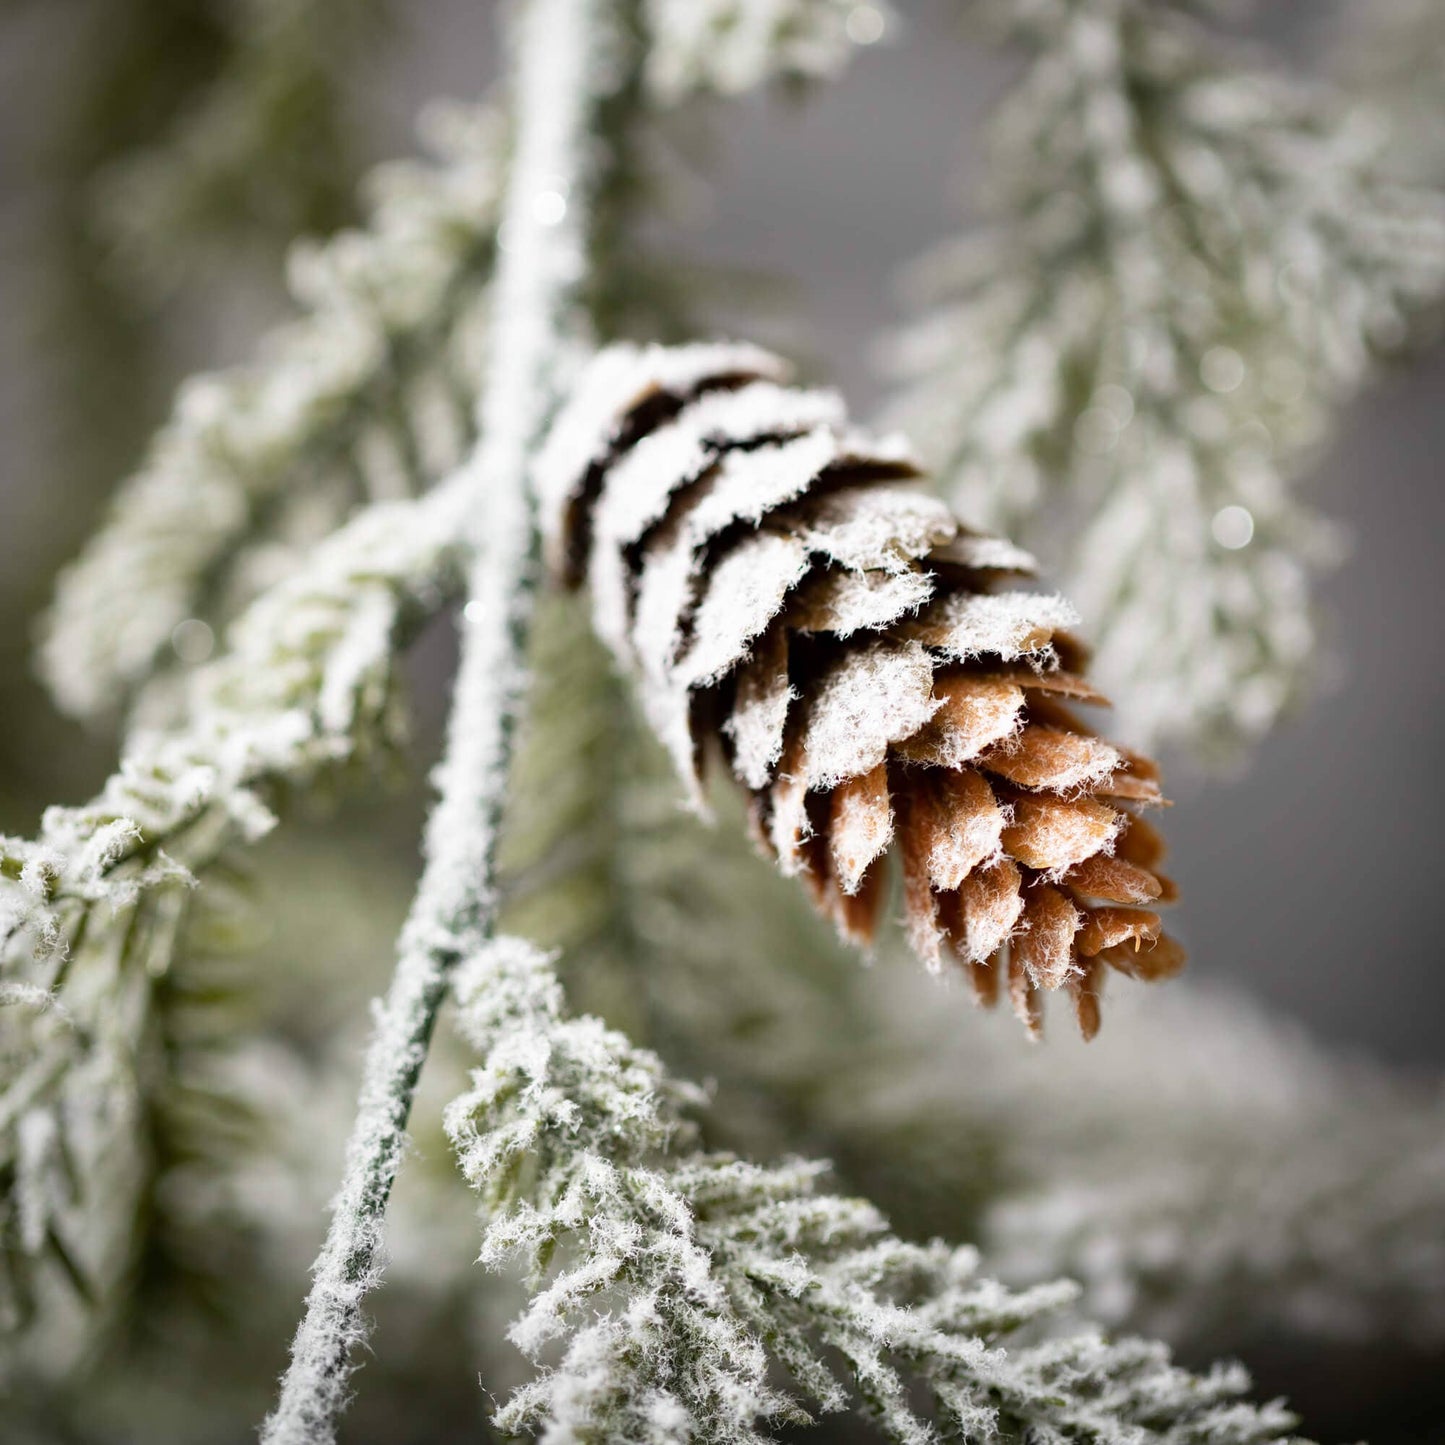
(560,72)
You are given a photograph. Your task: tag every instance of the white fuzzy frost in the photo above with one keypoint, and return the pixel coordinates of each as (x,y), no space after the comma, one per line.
(681,1295)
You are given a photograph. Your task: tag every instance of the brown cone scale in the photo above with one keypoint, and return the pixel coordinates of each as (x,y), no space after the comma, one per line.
(792,599)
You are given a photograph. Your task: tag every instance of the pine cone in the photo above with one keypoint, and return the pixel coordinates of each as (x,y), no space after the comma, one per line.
(790,596)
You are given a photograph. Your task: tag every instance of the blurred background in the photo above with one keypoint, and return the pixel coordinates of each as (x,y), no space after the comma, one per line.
(1306,868)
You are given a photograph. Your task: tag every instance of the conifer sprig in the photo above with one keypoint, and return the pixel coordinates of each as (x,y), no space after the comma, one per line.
(1325,1230)
(369,396)
(673,1280)
(1302,1200)
(371,393)
(568,58)
(92,908)
(1193,262)
(679,1293)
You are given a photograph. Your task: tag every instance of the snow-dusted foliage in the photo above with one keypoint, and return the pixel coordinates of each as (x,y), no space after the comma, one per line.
(680,1292)
(1193,262)
(91,908)
(674,1279)
(1208,1172)
(734,45)
(567,64)
(369,396)
(1332,1222)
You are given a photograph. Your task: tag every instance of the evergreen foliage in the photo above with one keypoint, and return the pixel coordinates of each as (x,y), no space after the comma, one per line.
(1193,263)
(673,1278)
(93,907)
(365,398)
(1196,263)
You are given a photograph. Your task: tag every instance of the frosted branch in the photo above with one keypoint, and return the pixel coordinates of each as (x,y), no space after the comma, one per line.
(730,46)
(1239,1183)
(1202,1167)
(91,909)
(562,68)
(1194,263)
(697,1296)
(369,396)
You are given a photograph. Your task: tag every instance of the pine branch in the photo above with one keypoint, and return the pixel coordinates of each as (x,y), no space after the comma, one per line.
(371,393)
(1261,1190)
(368,396)
(659,1354)
(91,909)
(1212,1177)
(562,70)
(1326,1228)
(1194,263)
(674,1278)
(261,1023)
(685,1276)
(308,684)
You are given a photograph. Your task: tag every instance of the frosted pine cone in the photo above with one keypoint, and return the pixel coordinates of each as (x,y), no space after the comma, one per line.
(791,597)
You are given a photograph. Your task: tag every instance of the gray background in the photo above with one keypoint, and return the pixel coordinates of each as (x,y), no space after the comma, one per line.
(1308,873)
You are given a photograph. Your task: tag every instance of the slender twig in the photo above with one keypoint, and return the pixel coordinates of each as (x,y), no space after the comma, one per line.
(560,69)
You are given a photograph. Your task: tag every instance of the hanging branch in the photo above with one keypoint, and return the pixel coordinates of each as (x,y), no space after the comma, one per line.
(677,933)
(676,1280)
(730,46)
(1195,262)
(560,78)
